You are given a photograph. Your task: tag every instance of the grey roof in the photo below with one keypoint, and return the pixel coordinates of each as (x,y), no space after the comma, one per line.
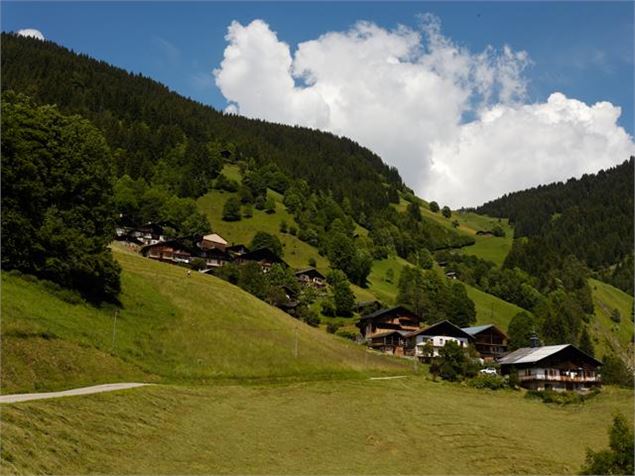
(384,334)
(528,355)
(476,329)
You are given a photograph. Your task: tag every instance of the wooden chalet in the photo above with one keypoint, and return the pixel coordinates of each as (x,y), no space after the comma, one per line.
(437,334)
(393,319)
(216,258)
(390,342)
(149,233)
(173,251)
(311,277)
(213,241)
(552,367)
(489,340)
(263,256)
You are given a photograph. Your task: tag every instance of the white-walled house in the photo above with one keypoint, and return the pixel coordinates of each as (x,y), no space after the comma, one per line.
(439,334)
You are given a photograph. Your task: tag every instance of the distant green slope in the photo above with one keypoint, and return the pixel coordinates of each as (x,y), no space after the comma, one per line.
(492,310)
(608,334)
(171,328)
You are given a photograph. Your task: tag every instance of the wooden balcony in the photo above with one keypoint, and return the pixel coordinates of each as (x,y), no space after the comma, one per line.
(560,378)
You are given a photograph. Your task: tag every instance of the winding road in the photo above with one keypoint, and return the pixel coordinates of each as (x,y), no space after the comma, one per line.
(109,387)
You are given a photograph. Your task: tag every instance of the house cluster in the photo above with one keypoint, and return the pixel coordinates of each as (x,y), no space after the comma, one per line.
(398,331)
(212,251)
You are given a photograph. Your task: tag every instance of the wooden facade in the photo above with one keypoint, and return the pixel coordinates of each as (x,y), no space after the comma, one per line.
(311,277)
(390,342)
(489,340)
(394,319)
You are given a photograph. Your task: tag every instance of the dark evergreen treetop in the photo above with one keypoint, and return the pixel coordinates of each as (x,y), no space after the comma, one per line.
(590,218)
(144,124)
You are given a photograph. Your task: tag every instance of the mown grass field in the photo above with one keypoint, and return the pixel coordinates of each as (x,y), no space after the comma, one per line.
(170,328)
(407,426)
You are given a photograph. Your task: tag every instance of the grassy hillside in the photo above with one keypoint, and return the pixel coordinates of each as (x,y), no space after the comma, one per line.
(611,335)
(171,328)
(490,309)
(296,252)
(406,426)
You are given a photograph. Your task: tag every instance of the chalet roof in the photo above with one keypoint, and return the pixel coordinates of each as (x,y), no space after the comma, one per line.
(263,254)
(390,311)
(475,330)
(446,327)
(388,333)
(311,272)
(530,355)
(215,238)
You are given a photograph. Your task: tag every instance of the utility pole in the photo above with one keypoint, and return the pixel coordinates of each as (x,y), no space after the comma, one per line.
(114,329)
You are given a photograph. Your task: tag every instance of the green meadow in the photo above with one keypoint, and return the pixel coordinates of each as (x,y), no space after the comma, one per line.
(401,426)
(170,328)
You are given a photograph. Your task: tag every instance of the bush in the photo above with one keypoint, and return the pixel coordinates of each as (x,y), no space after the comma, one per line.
(328,308)
(618,458)
(231,209)
(491,382)
(346,334)
(561,398)
(198,264)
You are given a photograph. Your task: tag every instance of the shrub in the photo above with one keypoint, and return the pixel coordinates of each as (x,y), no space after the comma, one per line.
(346,334)
(491,382)
(328,307)
(198,264)
(561,398)
(231,209)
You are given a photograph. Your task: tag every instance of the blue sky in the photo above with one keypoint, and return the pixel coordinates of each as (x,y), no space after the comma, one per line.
(467,115)
(584,50)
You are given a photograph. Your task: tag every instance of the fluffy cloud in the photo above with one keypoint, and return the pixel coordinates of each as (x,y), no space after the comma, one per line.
(510,148)
(31,32)
(405,94)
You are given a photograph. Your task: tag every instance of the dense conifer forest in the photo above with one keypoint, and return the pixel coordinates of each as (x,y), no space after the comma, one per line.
(590,218)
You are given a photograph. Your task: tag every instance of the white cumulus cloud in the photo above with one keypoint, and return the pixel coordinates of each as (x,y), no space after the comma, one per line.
(405,93)
(511,148)
(31,32)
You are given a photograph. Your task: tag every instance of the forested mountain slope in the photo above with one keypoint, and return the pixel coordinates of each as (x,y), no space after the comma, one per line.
(143,121)
(590,218)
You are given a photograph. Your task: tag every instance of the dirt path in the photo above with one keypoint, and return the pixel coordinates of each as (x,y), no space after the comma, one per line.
(109,387)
